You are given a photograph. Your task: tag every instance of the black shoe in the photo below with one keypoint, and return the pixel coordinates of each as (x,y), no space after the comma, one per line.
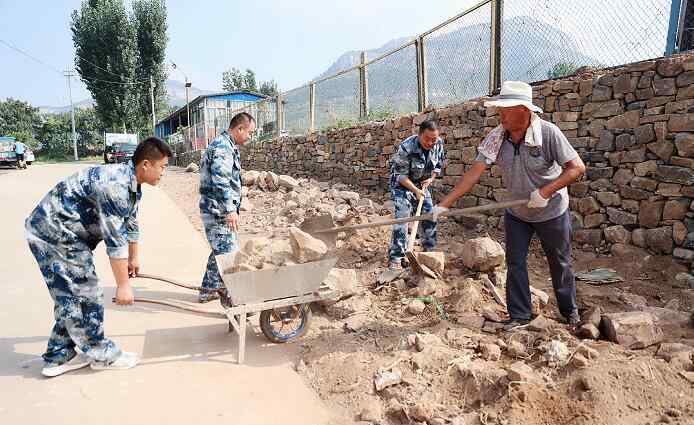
(515,324)
(574,319)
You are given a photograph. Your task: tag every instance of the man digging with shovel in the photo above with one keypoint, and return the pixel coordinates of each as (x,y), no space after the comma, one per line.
(414,166)
(537,162)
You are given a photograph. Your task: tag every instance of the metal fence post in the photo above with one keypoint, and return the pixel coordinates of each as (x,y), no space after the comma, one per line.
(363,88)
(312,107)
(421,75)
(495,46)
(279,112)
(673,27)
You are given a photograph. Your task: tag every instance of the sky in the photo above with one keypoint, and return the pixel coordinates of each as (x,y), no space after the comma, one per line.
(289,41)
(293,41)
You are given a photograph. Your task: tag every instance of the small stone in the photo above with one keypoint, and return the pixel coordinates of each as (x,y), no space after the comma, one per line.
(556,352)
(385,379)
(516,349)
(416,307)
(192,168)
(427,340)
(521,372)
(588,352)
(593,316)
(434,260)
(579,361)
(490,352)
(588,331)
(541,324)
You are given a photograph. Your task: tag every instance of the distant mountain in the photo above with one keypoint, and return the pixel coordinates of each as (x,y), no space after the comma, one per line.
(457,70)
(176,91)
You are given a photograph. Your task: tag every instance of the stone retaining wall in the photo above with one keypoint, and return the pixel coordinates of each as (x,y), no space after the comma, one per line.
(632,125)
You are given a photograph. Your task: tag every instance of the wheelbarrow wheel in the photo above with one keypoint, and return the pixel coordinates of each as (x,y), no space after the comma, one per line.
(280,325)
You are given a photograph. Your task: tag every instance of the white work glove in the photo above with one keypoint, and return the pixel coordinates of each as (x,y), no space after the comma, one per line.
(437,211)
(536,200)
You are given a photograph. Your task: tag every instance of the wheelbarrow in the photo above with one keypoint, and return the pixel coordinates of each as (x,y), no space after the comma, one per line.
(282,295)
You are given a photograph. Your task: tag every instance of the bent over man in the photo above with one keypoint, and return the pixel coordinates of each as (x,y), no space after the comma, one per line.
(96,204)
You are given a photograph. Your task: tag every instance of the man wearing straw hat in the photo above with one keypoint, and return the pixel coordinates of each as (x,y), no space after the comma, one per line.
(537,162)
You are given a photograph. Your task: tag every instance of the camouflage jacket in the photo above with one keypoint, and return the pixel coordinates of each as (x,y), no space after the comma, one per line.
(220,177)
(411,160)
(95,204)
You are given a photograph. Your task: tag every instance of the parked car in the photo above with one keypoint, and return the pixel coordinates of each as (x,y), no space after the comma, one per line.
(7,153)
(123,152)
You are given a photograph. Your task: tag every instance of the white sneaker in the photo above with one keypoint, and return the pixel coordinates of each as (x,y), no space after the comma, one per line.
(78,362)
(125,361)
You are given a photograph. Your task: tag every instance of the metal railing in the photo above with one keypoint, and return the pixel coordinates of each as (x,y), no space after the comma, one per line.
(468,56)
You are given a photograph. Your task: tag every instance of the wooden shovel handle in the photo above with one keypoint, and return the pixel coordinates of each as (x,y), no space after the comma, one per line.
(415,226)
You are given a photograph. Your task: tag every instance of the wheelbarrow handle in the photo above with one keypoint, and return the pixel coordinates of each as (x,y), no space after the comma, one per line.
(190,309)
(168,280)
(449,213)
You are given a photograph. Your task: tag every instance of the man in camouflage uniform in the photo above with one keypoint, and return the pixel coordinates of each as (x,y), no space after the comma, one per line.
(414,166)
(95,204)
(220,197)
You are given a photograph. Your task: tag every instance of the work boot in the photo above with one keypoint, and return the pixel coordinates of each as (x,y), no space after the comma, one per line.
(51,370)
(513,324)
(574,319)
(126,360)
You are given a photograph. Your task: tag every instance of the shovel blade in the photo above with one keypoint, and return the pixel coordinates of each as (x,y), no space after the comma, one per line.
(321,222)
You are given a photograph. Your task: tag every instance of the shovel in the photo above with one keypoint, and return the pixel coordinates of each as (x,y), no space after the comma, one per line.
(323,226)
(409,253)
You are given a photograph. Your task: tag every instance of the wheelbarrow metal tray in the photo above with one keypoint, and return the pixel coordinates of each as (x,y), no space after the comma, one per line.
(277,283)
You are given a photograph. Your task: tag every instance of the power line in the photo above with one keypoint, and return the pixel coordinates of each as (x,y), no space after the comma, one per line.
(17,49)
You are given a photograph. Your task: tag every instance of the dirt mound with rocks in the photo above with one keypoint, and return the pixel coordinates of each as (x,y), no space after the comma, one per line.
(401,349)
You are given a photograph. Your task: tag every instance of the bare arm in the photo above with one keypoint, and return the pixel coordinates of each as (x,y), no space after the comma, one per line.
(573,170)
(133,259)
(124,293)
(465,184)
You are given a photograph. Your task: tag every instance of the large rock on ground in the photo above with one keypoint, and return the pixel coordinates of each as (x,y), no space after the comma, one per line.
(344,281)
(249,178)
(288,182)
(306,248)
(434,260)
(633,329)
(483,254)
(348,307)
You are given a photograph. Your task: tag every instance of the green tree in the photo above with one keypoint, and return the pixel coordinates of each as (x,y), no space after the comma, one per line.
(234,80)
(561,69)
(269,88)
(19,119)
(115,55)
(149,20)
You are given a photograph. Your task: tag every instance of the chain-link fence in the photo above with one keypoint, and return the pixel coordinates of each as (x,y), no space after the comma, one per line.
(469,55)
(392,83)
(457,58)
(544,39)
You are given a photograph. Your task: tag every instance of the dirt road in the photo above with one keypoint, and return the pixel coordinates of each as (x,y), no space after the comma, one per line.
(188,372)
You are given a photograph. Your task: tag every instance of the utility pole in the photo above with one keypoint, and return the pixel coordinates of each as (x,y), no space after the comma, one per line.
(151,95)
(68,74)
(188,84)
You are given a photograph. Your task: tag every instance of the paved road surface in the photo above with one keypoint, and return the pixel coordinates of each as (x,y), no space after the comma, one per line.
(188,374)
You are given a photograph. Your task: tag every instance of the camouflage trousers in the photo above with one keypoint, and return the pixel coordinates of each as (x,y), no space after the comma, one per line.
(405,205)
(222,241)
(78,305)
